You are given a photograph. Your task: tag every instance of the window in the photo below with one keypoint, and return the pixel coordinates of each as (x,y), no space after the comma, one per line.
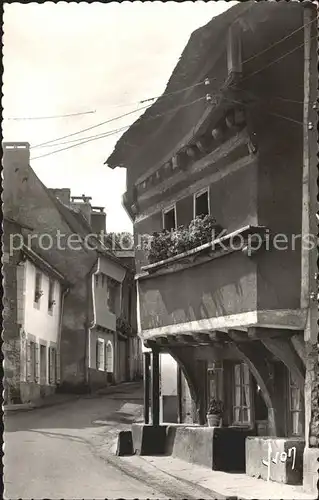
(43,364)
(38,292)
(201,203)
(51,300)
(96,280)
(296,407)
(215,380)
(33,361)
(100,354)
(242,395)
(52,365)
(112,289)
(169,218)
(109,357)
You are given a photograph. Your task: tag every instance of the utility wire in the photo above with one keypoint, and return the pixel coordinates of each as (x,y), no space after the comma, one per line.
(186,88)
(274,61)
(90,128)
(116,131)
(206,81)
(280,41)
(53,116)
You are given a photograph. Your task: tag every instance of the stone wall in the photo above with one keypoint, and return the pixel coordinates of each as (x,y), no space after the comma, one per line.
(11,331)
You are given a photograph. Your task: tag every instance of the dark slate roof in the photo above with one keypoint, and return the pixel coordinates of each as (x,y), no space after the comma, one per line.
(189,71)
(150,141)
(44,265)
(79,225)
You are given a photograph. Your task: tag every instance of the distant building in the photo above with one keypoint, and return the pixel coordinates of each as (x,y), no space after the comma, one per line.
(59,291)
(229,152)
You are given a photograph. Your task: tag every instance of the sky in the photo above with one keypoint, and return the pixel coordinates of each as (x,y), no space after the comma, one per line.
(100,58)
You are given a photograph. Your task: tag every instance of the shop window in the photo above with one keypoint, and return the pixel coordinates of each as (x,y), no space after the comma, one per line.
(296,407)
(242,395)
(169,218)
(201,203)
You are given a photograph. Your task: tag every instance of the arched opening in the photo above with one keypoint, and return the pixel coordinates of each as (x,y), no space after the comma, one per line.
(109,357)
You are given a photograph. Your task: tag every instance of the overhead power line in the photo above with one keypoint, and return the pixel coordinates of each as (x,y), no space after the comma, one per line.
(206,81)
(51,117)
(91,128)
(112,132)
(279,41)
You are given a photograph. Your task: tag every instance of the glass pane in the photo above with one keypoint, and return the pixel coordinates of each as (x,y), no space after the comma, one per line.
(295,399)
(238,396)
(246,374)
(245,418)
(237,374)
(295,422)
(246,396)
(237,414)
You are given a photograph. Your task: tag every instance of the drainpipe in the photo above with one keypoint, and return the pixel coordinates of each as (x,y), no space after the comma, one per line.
(63,295)
(91,324)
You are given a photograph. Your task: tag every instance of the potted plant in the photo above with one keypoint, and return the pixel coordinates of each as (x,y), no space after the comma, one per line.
(214,413)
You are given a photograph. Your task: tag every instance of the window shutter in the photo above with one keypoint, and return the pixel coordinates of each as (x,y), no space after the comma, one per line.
(50,365)
(28,360)
(105,357)
(37,374)
(57,366)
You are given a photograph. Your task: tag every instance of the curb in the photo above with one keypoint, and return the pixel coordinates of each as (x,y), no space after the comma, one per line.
(34,406)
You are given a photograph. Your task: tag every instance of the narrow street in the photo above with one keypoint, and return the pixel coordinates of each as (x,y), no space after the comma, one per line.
(53,452)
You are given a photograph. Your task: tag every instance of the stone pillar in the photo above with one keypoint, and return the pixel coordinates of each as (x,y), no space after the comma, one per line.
(147,360)
(311,453)
(155,387)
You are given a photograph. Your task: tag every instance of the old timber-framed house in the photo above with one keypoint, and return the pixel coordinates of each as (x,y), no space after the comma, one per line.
(232,144)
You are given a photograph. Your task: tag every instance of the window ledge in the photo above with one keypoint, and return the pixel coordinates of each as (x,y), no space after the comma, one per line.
(213,249)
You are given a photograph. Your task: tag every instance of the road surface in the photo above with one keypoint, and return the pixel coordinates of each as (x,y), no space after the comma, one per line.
(54,452)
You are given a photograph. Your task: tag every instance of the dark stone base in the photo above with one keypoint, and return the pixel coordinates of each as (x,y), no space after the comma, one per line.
(124,443)
(284,466)
(311,471)
(149,439)
(219,448)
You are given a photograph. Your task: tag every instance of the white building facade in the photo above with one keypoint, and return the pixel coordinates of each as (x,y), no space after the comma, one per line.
(39,308)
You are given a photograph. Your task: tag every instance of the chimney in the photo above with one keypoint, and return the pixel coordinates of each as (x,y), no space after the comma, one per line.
(83,204)
(16,171)
(98,220)
(16,153)
(62,194)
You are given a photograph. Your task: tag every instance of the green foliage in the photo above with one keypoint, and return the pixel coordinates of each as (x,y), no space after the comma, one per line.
(167,244)
(216,407)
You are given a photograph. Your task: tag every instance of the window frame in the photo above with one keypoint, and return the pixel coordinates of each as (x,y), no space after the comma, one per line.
(112,288)
(292,411)
(200,193)
(165,211)
(100,366)
(51,295)
(242,385)
(34,361)
(37,288)
(52,365)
